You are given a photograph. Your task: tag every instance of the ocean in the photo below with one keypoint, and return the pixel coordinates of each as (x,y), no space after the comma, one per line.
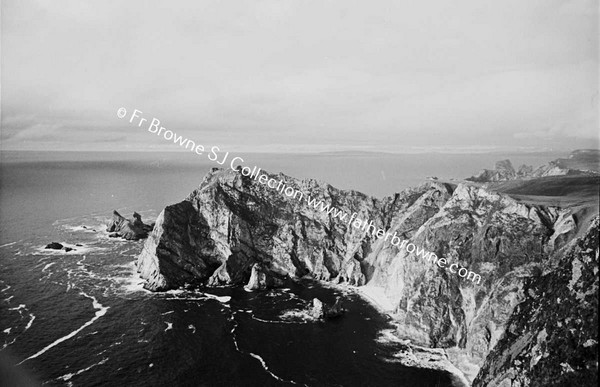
(82,318)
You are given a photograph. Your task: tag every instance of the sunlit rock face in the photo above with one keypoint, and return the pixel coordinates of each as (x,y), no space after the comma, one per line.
(232,223)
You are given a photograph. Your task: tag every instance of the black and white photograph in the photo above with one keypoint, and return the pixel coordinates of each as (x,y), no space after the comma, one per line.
(320,193)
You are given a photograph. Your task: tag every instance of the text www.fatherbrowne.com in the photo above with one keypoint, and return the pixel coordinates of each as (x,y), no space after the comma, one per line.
(278,185)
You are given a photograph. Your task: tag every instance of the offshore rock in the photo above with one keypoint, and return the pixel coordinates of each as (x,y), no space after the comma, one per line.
(54,246)
(262,278)
(319,310)
(316,309)
(336,310)
(130,229)
(232,222)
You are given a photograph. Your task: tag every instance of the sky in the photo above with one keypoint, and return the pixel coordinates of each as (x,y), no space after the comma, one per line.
(301,75)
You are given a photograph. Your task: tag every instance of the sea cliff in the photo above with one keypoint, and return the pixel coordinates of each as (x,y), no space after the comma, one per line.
(231,222)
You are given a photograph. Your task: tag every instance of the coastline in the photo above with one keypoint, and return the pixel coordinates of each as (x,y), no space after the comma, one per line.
(410,354)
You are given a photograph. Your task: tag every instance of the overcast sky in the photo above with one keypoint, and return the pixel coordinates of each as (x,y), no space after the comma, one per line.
(301,75)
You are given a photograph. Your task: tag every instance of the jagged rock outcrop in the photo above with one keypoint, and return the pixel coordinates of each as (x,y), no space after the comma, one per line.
(551,339)
(232,222)
(524,171)
(130,229)
(503,171)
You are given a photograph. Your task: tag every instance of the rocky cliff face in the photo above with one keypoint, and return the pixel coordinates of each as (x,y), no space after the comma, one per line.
(552,336)
(231,222)
(489,233)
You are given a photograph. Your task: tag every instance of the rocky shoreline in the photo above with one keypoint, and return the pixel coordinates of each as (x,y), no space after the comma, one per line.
(409,354)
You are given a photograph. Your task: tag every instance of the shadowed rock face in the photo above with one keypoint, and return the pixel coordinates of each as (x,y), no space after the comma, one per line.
(231,222)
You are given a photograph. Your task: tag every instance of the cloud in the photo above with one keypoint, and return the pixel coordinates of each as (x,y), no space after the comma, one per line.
(281,73)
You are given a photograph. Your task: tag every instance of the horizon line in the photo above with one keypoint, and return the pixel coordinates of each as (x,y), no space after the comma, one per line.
(412,150)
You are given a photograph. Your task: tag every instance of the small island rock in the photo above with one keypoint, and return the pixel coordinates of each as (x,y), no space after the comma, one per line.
(54,246)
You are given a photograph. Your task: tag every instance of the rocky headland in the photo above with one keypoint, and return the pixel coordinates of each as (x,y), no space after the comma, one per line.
(538,264)
(579,162)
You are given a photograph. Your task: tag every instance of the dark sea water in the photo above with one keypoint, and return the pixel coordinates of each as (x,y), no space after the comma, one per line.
(82,318)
